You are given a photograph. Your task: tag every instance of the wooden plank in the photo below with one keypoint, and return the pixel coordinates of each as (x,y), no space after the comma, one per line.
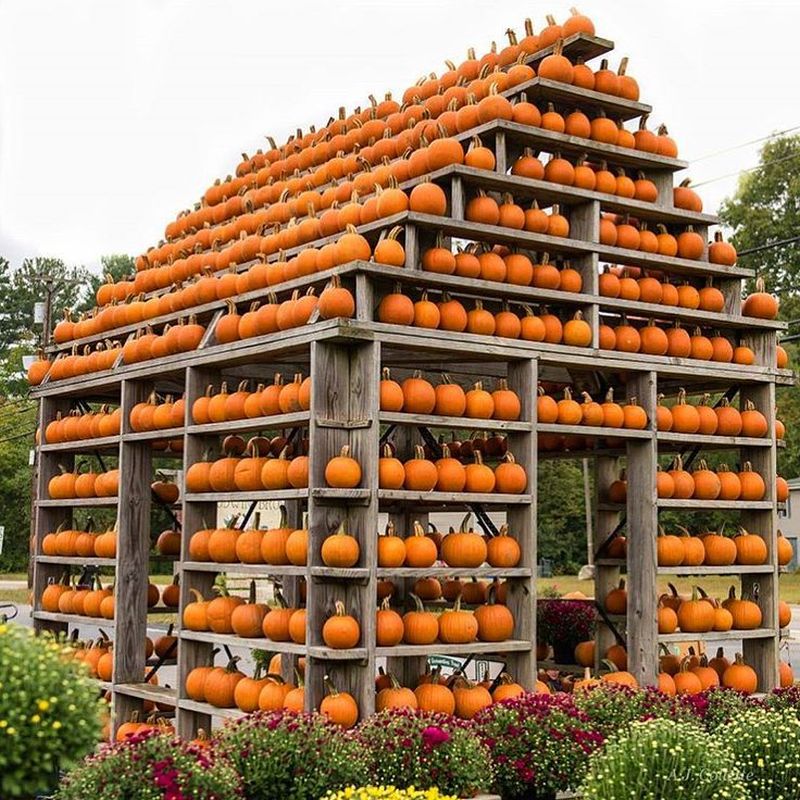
(404,496)
(77,561)
(240,642)
(607,571)
(76,619)
(434,421)
(275,422)
(709,442)
(106,444)
(721,636)
(717,505)
(521,519)
(478,648)
(150,436)
(763,654)
(133,547)
(453,572)
(243,497)
(194,517)
(192,708)
(642,518)
(254,570)
(571,97)
(593,431)
(734,569)
(79,502)
(146,691)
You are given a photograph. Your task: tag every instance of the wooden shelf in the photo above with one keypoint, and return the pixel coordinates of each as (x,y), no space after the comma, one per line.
(709,442)
(329,654)
(474,648)
(156,435)
(79,561)
(401,496)
(717,636)
(244,497)
(104,444)
(495,234)
(360,574)
(717,505)
(209,710)
(574,146)
(575,97)
(595,432)
(255,570)
(73,619)
(734,569)
(464,423)
(276,421)
(232,641)
(79,502)
(454,572)
(147,691)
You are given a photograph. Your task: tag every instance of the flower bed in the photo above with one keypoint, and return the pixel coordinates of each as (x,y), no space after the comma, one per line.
(595,741)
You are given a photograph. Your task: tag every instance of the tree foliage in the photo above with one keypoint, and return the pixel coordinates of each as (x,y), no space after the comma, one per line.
(766,208)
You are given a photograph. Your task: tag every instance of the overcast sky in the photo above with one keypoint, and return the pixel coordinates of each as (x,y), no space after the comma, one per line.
(116,115)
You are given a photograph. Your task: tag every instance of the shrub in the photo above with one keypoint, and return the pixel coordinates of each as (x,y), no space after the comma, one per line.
(766,745)
(152,766)
(387,793)
(715,706)
(779,699)
(49,712)
(405,747)
(284,755)
(539,744)
(663,758)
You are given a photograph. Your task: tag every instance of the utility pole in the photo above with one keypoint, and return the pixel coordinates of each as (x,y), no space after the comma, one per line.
(47,325)
(587,507)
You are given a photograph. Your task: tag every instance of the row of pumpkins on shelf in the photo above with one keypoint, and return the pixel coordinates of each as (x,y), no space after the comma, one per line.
(74,485)
(432,94)
(283,546)
(275,398)
(707,548)
(97,654)
(234,615)
(703,483)
(717,549)
(700,613)
(228,687)
(94,600)
(323,154)
(702,673)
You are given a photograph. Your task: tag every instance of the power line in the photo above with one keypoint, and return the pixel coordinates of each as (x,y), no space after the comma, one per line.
(18,436)
(769,245)
(747,169)
(773,135)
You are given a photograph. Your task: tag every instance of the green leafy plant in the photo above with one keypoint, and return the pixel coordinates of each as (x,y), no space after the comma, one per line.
(663,758)
(50,712)
(404,747)
(766,745)
(283,755)
(539,744)
(715,706)
(152,766)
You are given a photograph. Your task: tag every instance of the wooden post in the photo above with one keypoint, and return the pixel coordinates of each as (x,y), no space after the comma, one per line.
(523,379)
(133,547)
(606,576)
(642,514)
(195,517)
(762,654)
(344,390)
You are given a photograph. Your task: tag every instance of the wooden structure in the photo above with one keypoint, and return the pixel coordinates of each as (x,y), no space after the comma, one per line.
(344,358)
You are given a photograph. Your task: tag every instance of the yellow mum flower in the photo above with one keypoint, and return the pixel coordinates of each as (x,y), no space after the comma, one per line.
(43,705)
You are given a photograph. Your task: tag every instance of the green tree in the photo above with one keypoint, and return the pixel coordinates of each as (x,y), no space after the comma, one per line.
(118,266)
(765,208)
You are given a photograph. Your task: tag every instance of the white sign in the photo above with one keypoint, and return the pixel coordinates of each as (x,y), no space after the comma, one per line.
(2,537)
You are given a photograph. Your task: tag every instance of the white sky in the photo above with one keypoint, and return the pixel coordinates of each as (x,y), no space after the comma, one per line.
(115,115)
